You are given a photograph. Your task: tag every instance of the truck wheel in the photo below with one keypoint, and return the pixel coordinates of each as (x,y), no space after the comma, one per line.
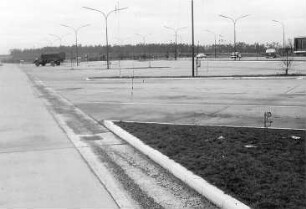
(37,64)
(58,63)
(43,64)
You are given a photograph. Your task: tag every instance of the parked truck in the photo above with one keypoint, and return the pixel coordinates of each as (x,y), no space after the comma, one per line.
(52,58)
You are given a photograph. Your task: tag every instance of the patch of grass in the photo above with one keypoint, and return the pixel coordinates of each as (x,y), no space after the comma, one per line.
(264,168)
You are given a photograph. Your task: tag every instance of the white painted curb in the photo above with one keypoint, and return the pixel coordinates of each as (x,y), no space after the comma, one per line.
(211,192)
(227,126)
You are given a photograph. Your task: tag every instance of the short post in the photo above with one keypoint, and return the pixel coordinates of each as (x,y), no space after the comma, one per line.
(267,119)
(132,90)
(198,65)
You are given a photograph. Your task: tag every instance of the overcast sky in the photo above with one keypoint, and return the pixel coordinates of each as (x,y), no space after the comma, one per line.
(29,23)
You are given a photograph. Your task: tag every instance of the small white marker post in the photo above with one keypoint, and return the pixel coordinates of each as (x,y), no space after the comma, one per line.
(132,83)
(198,65)
(267,119)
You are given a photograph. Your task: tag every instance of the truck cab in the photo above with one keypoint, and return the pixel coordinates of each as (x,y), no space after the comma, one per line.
(52,58)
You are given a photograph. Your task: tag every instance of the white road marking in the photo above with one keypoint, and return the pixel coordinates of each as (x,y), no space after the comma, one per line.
(189,104)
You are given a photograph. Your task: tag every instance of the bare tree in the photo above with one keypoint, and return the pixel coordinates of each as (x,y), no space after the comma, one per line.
(287,59)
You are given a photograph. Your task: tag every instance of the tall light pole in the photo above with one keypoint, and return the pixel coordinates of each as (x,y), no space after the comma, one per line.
(219,43)
(234,22)
(50,43)
(106,15)
(283,26)
(59,38)
(175,30)
(144,43)
(143,37)
(143,40)
(121,40)
(215,36)
(76,30)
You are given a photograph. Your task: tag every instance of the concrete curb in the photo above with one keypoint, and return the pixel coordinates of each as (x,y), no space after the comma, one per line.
(228,126)
(211,192)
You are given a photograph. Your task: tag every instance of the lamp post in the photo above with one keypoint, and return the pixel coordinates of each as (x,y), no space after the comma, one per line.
(76,30)
(144,43)
(175,30)
(50,43)
(234,22)
(143,37)
(283,27)
(219,43)
(106,15)
(121,40)
(215,36)
(59,38)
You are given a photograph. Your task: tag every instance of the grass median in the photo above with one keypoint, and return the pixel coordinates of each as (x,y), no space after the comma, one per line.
(264,168)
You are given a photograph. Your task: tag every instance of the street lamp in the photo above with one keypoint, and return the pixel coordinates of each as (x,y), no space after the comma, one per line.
(50,43)
(175,30)
(122,40)
(144,43)
(143,37)
(76,30)
(234,22)
(283,26)
(106,15)
(215,36)
(220,40)
(59,38)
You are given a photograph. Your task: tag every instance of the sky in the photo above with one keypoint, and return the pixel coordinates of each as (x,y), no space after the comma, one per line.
(29,23)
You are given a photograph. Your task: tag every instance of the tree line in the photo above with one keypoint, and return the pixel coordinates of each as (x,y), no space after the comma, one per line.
(141,51)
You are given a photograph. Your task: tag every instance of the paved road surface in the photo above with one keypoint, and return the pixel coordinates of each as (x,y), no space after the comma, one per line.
(39,166)
(201,101)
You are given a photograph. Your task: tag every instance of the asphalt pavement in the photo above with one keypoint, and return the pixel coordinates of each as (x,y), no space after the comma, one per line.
(39,166)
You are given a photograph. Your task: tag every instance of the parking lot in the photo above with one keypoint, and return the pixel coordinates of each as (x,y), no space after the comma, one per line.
(234,101)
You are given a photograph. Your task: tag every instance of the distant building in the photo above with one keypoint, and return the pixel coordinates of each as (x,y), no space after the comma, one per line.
(300,46)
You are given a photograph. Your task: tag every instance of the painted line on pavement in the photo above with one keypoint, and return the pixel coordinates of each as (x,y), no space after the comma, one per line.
(201,77)
(191,104)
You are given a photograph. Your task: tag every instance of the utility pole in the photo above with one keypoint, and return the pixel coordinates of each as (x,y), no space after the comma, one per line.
(192,38)
(106,15)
